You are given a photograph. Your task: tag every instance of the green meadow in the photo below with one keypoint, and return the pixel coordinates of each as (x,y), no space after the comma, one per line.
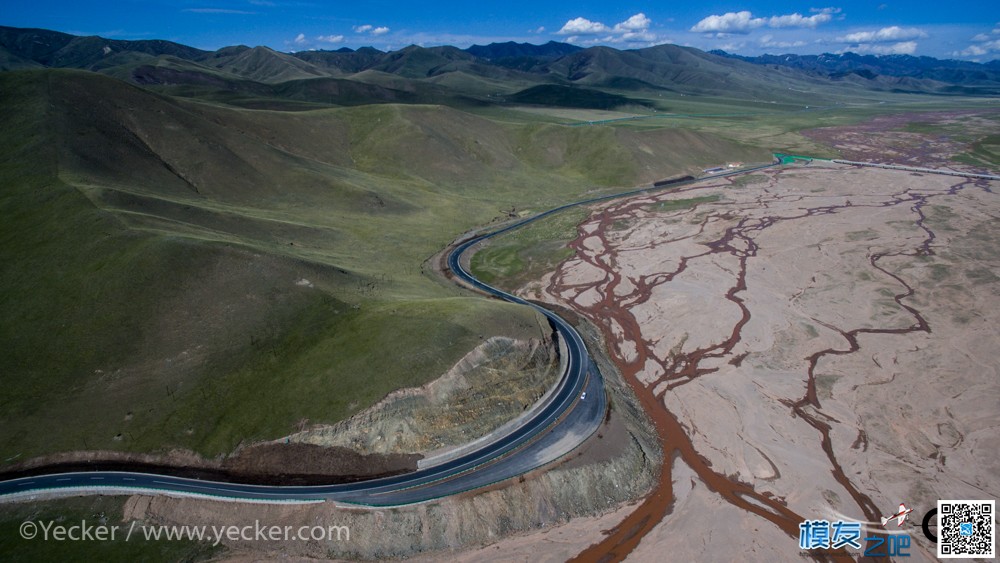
(191,272)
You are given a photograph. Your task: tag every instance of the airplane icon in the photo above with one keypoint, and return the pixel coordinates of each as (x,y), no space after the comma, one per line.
(899,516)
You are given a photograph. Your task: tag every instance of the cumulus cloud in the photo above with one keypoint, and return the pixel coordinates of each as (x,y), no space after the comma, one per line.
(902,48)
(300,39)
(983,44)
(884,35)
(633,30)
(798,20)
(371,29)
(638,22)
(583,26)
(331,38)
(744,22)
(730,22)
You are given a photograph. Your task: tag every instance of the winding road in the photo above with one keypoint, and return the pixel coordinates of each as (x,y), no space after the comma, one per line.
(562,421)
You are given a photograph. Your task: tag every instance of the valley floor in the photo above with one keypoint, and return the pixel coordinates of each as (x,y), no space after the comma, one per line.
(813,342)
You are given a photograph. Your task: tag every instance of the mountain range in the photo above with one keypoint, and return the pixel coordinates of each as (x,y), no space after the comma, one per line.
(185,271)
(552,74)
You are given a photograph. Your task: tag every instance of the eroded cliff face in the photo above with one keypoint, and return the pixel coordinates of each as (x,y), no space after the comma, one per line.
(491,385)
(614,467)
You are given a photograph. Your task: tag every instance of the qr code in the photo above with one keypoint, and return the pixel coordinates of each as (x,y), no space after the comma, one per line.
(966,528)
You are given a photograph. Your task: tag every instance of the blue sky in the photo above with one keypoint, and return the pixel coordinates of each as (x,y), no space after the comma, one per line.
(966,29)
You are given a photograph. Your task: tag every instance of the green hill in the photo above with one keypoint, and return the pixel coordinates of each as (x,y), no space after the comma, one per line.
(183,274)
(261,64)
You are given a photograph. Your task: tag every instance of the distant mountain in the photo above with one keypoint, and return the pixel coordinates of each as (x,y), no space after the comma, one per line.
(554,73)
(343,61)
(511,50)
(41,47)
(870,67)
(422,62)
(261,64)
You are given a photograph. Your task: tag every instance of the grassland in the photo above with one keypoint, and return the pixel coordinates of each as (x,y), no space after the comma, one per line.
(764,121)
(527,253)
(184,274)
(512,259)
(180,274)
(688,203)
(983,152)
(96,511)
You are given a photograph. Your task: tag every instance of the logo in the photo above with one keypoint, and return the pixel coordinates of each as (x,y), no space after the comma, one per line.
(900,516)
(847,534)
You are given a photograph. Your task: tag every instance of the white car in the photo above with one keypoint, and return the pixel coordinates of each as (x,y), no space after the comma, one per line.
(584,396)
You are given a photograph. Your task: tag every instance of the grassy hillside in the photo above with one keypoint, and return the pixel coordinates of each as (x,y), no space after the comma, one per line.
(183,274)
(97,511)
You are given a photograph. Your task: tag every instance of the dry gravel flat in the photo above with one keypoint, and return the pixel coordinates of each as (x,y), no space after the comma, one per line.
(818,342)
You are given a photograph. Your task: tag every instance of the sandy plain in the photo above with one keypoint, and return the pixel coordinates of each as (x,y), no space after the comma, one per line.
(813,342)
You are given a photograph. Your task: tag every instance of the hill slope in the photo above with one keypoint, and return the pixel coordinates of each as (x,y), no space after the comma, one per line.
(189,275)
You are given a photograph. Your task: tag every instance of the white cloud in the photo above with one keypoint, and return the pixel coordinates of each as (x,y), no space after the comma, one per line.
(744,22)
(730,22)
(983,37)
(884,35)
(984,48)
(370,29)
(583,26)
(902,48)
(971,51)
(798,20)
(638,22)
(539,29)
(300,39)
(331,38)
(634,30)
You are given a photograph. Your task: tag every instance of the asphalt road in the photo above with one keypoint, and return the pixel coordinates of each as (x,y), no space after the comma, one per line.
(559,426)
(556,429)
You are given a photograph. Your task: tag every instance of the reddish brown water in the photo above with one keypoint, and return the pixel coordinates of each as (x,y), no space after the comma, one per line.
(737,240)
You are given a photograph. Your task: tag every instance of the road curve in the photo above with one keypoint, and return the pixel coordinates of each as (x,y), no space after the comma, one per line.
(558,427)
(561,424)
